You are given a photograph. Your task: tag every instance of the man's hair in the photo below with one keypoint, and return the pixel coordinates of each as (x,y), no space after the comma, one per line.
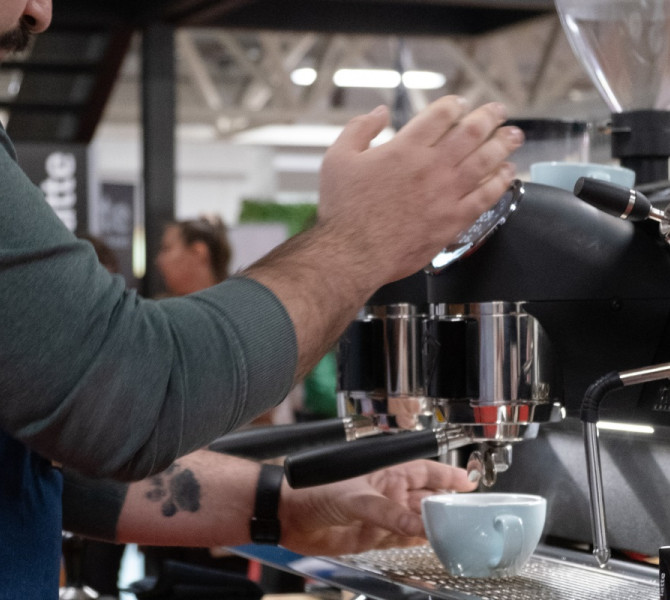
(213,233)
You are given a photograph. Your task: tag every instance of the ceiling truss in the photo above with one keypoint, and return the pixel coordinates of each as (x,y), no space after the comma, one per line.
(234,80)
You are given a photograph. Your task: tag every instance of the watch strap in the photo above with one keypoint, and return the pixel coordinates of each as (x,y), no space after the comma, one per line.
(265,527)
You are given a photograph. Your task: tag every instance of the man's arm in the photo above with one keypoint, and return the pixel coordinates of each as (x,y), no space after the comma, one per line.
(206,499)
(96,378)
(199,500)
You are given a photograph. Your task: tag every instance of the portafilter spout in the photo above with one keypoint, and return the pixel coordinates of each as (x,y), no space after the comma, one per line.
(484,465)
(589,416)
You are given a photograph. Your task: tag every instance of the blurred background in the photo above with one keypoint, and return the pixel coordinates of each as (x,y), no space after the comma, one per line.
(133,113)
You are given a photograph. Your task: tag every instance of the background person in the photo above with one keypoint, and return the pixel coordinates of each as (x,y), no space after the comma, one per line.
(194,255)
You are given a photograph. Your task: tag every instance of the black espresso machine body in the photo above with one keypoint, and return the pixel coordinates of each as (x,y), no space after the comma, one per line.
(599,286)
(599,289)
(551,295)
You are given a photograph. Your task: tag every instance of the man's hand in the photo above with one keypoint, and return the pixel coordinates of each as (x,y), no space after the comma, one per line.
(379,510)
(399,203)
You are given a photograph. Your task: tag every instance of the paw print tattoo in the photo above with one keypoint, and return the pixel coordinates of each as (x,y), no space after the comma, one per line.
(176,489)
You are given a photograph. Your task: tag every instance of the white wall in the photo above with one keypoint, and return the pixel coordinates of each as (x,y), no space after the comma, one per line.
(215,178)
(212,176)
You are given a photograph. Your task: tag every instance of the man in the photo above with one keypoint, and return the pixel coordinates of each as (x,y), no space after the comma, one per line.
(110,384)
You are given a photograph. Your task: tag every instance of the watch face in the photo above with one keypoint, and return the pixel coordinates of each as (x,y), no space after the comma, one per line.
(469,240)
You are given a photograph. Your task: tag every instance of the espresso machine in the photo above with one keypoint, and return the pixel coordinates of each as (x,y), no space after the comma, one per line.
(497,341)
(502,333)
(485,357)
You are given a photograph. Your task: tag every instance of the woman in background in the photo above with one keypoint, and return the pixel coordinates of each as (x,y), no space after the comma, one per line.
(194,255)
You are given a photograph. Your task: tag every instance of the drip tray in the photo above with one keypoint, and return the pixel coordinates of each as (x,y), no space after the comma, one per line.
(545,577)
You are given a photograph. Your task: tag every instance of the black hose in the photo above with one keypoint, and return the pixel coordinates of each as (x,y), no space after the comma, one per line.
(596,392)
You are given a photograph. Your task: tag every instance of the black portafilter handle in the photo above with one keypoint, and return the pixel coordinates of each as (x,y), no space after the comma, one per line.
(261,443)
(351,459)
(614,199)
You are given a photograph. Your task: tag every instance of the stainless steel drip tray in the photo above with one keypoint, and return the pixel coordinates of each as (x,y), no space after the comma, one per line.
(416,574)
(551,574)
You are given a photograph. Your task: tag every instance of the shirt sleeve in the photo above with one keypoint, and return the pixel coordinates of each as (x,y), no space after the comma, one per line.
(112,384)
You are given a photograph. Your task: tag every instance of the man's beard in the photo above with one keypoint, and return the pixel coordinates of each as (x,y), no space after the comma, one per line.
(17,39)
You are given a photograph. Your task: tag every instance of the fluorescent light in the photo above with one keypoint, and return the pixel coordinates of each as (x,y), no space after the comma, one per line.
(628,427)
(374,78)
(423,80)
(367,78)
(304,76)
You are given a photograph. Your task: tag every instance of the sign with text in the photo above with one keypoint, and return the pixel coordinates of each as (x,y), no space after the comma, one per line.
(61,171)
(116,222)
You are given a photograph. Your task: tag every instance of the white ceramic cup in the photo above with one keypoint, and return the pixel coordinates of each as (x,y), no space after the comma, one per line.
(565,174)
(484,534)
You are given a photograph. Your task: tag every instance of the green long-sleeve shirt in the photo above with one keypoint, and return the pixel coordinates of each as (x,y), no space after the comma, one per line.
(100,379)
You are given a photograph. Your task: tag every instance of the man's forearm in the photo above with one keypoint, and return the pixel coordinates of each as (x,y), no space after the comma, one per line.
(321,287)
(207,499)
(203,499)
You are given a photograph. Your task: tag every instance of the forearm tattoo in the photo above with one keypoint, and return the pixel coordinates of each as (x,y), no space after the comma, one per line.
(176,489)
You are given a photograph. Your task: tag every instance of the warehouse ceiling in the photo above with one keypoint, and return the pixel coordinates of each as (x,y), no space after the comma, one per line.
(234,62)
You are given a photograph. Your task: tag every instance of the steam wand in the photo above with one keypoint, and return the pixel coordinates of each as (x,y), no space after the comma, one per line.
(620,201)
(589,416)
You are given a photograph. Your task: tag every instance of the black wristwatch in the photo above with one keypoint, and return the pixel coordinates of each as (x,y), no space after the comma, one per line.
(264,526)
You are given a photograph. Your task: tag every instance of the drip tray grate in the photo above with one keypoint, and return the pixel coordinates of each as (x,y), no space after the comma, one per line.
(543,578)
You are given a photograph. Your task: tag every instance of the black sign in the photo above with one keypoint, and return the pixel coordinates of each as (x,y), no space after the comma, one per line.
(61,171)
(116,222)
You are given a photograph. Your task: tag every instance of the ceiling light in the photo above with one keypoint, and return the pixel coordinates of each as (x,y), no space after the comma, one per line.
(423,80)
(304,76)
(374,78)
(367,78)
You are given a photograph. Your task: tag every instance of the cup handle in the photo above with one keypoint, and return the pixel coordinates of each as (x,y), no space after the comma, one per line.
(511,530)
